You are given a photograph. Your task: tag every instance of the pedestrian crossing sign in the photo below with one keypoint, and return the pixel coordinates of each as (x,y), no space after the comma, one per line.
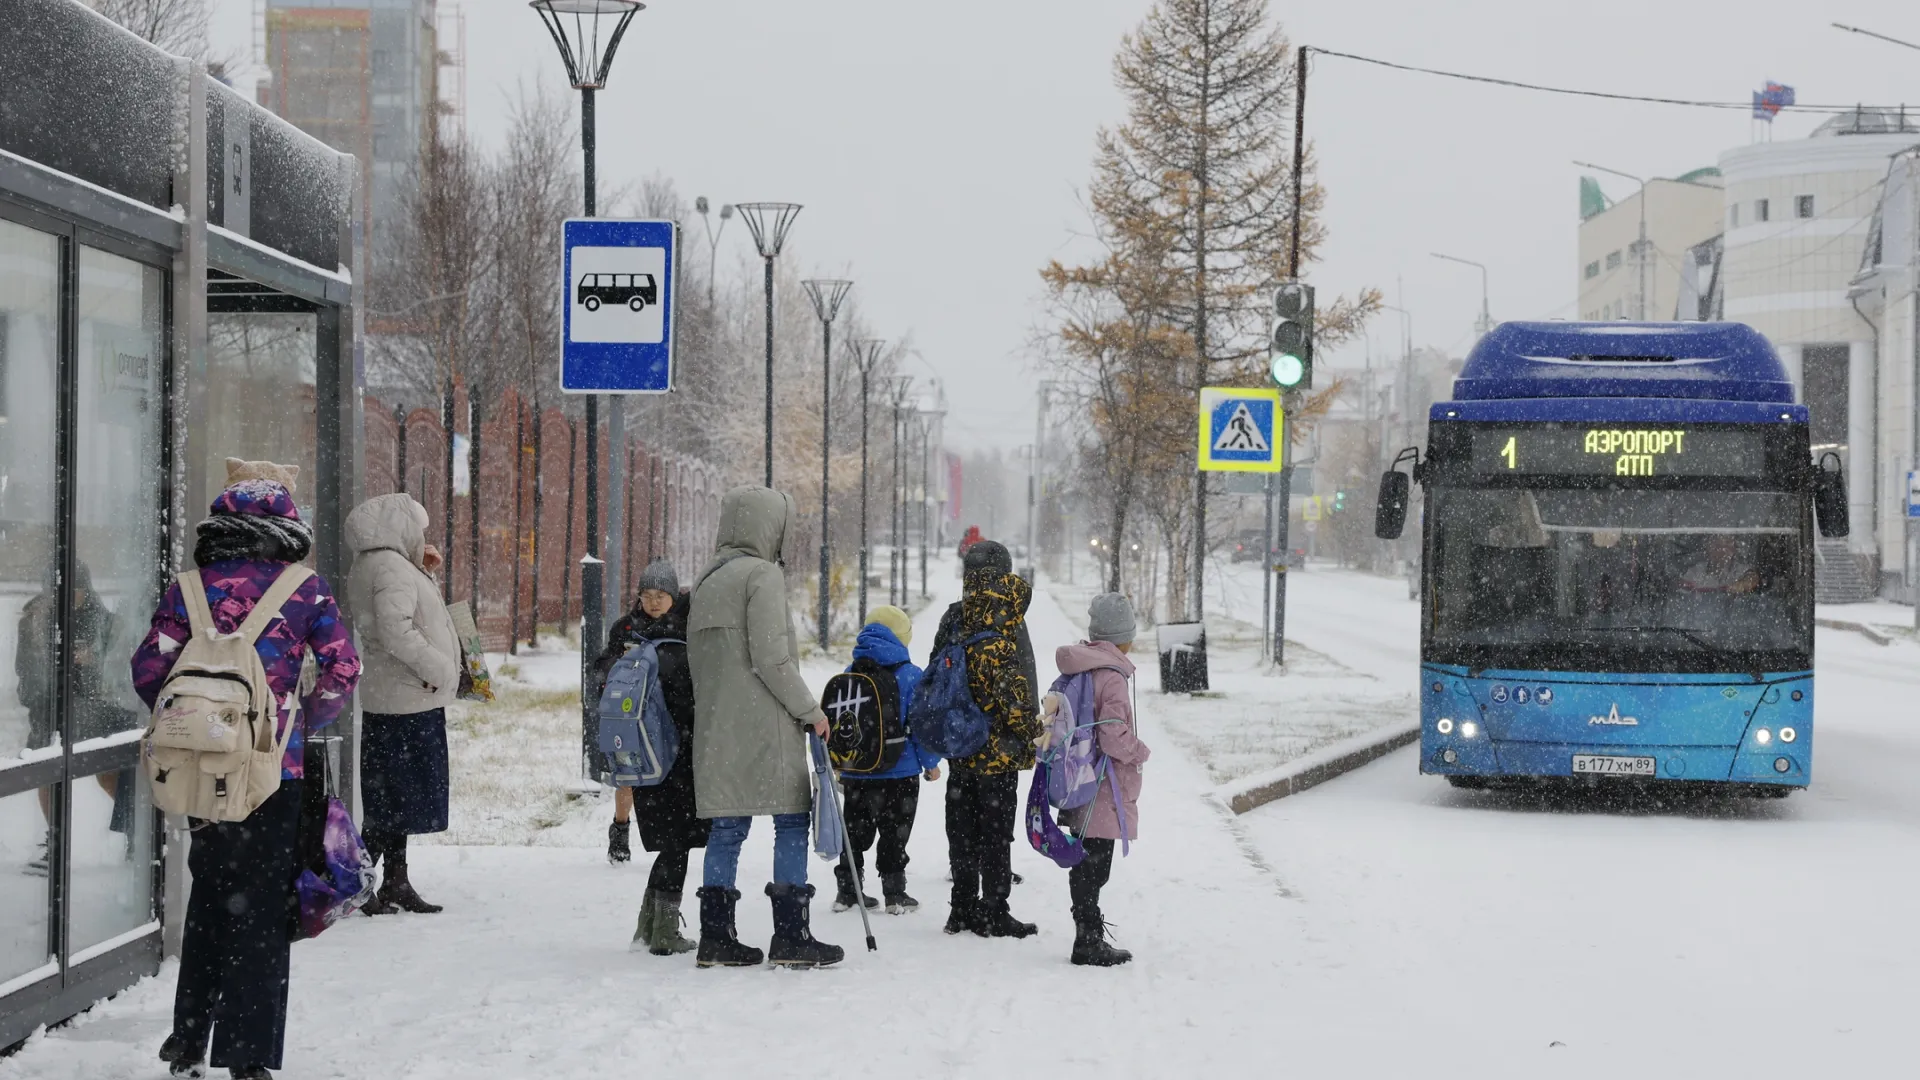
(1241,430)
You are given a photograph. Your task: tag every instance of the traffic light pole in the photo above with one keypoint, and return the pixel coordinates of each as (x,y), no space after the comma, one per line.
(1289,401)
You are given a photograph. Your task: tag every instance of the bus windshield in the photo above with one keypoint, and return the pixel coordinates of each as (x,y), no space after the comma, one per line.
(1619,579)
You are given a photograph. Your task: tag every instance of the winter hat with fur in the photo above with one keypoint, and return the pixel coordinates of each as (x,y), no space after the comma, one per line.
(1110,618)
(893,619)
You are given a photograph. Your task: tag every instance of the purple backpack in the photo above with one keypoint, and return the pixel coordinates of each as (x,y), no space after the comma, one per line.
(349,879)
(1045,836)
(1075,764)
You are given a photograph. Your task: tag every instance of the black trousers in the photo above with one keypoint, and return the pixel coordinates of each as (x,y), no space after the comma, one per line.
(1085,880)
(981,810)
(883,810)
(235,952)
(669,873)
(385,845)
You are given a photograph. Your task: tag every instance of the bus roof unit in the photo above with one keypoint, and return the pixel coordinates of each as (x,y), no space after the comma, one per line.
(1721,361)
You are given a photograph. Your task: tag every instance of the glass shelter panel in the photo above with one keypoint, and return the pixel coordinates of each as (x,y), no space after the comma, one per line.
(260,398)
(119,526)
(29,380)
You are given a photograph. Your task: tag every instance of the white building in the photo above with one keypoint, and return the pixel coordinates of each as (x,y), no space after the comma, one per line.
(1884,290)
(1680,213)
(1799,215)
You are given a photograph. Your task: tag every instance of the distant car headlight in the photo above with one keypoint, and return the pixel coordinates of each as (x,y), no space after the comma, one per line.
(1444,727)
(1762,736)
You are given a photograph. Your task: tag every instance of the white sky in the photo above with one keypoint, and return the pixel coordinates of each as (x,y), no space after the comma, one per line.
(941,149)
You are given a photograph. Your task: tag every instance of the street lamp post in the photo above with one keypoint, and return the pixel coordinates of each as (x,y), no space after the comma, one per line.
(713,238)
(896,574)
(769,222)
(928,420)
(1642,261)
(1486,318)
(826,295)
(575,26)
(866,353)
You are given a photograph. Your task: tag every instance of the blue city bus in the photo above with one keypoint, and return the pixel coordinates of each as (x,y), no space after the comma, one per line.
(1617,560)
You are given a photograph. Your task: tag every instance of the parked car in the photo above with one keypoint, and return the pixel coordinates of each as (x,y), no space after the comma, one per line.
(1247,544)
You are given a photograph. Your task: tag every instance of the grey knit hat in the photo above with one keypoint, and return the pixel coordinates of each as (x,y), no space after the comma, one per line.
(1110,618)
(659,575)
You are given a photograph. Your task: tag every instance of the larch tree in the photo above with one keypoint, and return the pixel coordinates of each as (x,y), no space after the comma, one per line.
(1202,169)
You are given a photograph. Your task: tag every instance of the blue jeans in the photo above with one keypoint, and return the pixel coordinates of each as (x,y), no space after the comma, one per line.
(722,863)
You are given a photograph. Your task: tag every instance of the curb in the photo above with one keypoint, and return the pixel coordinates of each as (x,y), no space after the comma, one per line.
(1862,629)
(1315,769)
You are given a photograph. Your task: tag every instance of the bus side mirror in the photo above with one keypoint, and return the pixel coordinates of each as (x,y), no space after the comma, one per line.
(1830,497)
(1390,513)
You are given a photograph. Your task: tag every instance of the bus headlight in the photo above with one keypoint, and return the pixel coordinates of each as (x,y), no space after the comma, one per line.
(1787,734)
(1469,729)
(1444,727)
(1762,736)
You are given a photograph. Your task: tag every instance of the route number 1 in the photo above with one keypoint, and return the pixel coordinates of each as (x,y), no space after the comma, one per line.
(1507,452)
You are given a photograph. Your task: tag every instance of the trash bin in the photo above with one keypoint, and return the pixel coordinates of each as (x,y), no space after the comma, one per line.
(1183,657)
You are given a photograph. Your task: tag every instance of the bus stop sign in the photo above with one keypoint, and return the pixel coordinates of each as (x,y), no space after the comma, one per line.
(617,303)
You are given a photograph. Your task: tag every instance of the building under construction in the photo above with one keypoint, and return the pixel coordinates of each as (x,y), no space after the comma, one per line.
(366,77)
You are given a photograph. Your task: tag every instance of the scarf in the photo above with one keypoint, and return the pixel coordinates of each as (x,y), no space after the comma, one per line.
(251,536)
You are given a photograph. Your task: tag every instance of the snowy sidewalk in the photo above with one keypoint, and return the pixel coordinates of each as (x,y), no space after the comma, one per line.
(527,973)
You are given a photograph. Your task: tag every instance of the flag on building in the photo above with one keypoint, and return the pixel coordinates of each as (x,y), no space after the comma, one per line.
(1768,101)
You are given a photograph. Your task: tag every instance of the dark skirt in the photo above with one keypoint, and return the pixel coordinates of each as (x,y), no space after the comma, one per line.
(403,771)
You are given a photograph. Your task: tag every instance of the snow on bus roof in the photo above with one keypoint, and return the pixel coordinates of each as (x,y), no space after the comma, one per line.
(1721,361)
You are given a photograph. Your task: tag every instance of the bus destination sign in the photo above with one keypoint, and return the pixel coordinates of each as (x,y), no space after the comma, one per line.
(1574,450)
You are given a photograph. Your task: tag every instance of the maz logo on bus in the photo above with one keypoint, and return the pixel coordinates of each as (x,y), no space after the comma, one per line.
(1614,719)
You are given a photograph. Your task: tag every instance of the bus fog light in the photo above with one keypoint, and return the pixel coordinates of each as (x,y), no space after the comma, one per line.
(1781,764)
(1787,734)
(1444,727)
(1450,757)
(1762,736)
(1469,729)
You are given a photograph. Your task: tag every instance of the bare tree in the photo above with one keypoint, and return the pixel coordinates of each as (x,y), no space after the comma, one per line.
(178,26)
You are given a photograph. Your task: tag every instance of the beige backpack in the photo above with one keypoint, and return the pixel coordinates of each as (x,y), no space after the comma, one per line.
(211,751)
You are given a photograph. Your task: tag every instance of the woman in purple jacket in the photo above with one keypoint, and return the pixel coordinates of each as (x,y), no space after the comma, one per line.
(234,956)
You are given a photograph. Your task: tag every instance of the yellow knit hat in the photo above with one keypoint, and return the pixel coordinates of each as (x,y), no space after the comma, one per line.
(893,619)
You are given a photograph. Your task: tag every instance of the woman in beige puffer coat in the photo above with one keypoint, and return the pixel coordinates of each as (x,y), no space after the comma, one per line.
(411,658)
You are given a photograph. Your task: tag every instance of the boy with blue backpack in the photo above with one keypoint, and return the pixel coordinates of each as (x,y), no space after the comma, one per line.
(1095,675)
(882,804)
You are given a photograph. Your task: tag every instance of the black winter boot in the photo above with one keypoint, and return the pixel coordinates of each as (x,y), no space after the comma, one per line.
(994,920)
(184,1058)
(960,916)
(396,890)
(793,943)
(618,850)
(894,888)
(1090,946)
(719,943)
(843,898)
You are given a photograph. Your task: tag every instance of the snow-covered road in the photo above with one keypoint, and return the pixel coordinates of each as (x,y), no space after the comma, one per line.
(1379,925)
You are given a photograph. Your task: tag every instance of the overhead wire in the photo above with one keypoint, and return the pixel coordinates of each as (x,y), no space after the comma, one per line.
(1606,95)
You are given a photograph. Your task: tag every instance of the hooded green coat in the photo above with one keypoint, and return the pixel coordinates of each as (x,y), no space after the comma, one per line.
(751,707)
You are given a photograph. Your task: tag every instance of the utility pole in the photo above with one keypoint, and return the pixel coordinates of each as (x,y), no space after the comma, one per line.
(826,295)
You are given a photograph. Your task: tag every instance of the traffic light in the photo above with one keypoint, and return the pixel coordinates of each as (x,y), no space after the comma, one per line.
(1290,345)
(1339,502)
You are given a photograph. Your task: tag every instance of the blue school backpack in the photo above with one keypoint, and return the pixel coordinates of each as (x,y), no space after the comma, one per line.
(636,730)
(943,717)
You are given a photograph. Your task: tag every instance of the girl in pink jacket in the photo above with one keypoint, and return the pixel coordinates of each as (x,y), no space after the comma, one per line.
(1110,629)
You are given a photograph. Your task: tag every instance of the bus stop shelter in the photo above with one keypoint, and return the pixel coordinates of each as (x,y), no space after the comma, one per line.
(176,288)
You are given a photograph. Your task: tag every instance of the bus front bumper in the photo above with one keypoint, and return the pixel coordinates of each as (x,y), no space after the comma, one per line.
(1458,754)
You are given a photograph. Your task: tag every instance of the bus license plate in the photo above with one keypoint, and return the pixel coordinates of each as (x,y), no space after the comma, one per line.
(1603,765)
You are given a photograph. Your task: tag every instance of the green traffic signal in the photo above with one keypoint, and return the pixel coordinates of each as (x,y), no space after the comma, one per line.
(1290,344)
